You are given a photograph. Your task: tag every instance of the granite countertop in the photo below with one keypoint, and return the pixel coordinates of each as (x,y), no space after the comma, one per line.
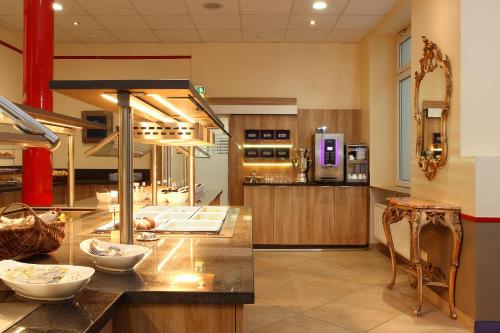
(227,264)
(310,183)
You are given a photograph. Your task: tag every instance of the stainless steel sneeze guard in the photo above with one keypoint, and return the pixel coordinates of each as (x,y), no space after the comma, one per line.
(28,125)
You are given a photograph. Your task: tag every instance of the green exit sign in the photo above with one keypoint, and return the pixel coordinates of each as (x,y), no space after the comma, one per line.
(201,90)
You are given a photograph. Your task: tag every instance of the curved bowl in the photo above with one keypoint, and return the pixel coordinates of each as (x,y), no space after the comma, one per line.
(104,197)
(132,255)
(177,197)
(48,291)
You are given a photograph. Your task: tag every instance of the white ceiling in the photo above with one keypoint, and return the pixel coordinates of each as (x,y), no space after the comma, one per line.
(114,21)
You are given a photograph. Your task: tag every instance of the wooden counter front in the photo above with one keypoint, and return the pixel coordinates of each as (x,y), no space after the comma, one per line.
(309,215)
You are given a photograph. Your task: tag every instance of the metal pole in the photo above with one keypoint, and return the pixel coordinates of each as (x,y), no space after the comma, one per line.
(125,169)
(168,165)
(153,176)
(185,174)
(71,171)
(191,176)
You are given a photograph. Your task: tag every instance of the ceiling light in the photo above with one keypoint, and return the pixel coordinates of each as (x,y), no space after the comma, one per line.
(139,105)
(172,107)
(76,23)
(57,7)
(213,5)
(319,5)
(312,22)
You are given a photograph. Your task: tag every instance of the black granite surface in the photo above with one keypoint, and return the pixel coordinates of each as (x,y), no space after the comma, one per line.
(227,276)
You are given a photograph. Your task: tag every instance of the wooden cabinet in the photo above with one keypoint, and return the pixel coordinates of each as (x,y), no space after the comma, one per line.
(351,215)
(288,225)
(261,199)
(308,215)
(317,215)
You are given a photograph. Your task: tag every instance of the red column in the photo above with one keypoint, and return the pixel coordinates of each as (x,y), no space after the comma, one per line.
(38,71)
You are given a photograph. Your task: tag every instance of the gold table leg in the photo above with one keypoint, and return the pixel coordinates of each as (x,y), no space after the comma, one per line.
(387,220)
(415,249)
(456,230)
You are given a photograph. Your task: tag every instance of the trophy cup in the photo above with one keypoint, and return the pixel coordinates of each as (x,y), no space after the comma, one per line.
(302,163)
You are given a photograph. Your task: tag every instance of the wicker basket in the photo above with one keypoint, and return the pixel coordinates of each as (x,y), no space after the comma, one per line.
(24,240)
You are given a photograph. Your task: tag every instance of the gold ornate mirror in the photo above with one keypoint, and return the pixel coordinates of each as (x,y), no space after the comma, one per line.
(431,107)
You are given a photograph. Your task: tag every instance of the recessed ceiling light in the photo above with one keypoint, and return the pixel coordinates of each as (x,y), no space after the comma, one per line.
(312,22)
(57,7)
(319,5)
(76,23)
(213,5)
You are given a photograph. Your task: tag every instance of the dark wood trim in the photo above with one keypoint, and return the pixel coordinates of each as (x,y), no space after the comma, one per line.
(251,101)
(122,57)
(12,47)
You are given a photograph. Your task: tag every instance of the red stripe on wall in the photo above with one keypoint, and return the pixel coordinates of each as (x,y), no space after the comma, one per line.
(160,57)
(12,47)
(478,219)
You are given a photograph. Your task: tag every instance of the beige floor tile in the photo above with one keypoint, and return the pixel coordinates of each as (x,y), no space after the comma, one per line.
(264,261)
(289,279)
(319,266)
(433,321)
(261,314)
(354,314)
(366,274)
(301,324)
(296,299)
(354,297)
(385,298)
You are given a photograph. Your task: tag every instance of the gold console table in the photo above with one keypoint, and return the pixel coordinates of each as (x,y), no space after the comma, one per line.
(420,213)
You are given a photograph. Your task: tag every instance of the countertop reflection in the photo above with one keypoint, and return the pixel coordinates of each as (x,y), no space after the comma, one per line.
(189,270)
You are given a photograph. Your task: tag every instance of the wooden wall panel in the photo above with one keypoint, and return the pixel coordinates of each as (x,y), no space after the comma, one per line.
(337,121)
(351,215)
(288,225)
(318,204)
(237,172)
(302,127)
(177,318)
(261,199)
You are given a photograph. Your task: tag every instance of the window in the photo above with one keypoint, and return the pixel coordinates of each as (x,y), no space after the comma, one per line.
(404,116)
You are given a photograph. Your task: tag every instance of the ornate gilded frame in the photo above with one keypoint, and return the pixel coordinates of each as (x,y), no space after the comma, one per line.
(432,58)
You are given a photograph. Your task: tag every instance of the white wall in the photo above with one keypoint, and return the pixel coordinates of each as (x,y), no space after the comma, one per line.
(480,52)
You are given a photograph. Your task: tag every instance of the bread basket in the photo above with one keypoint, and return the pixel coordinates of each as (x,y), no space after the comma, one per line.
(27,239)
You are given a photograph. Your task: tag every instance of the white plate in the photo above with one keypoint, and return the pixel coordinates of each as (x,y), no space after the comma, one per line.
(191,226)
(47,291)
(132,255)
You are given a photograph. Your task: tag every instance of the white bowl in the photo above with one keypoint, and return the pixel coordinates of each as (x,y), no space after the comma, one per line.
(104,197)
(47,291)
(177,197)
(132,255)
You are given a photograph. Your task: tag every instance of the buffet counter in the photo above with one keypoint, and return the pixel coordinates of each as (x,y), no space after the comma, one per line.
(191,283)
(308,214)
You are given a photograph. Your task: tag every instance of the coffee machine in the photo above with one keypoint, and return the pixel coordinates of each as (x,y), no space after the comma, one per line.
(329,156)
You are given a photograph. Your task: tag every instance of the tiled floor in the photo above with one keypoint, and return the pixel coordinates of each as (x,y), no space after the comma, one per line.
(337,292)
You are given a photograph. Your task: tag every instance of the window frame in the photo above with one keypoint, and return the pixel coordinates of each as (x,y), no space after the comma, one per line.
(402,73)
